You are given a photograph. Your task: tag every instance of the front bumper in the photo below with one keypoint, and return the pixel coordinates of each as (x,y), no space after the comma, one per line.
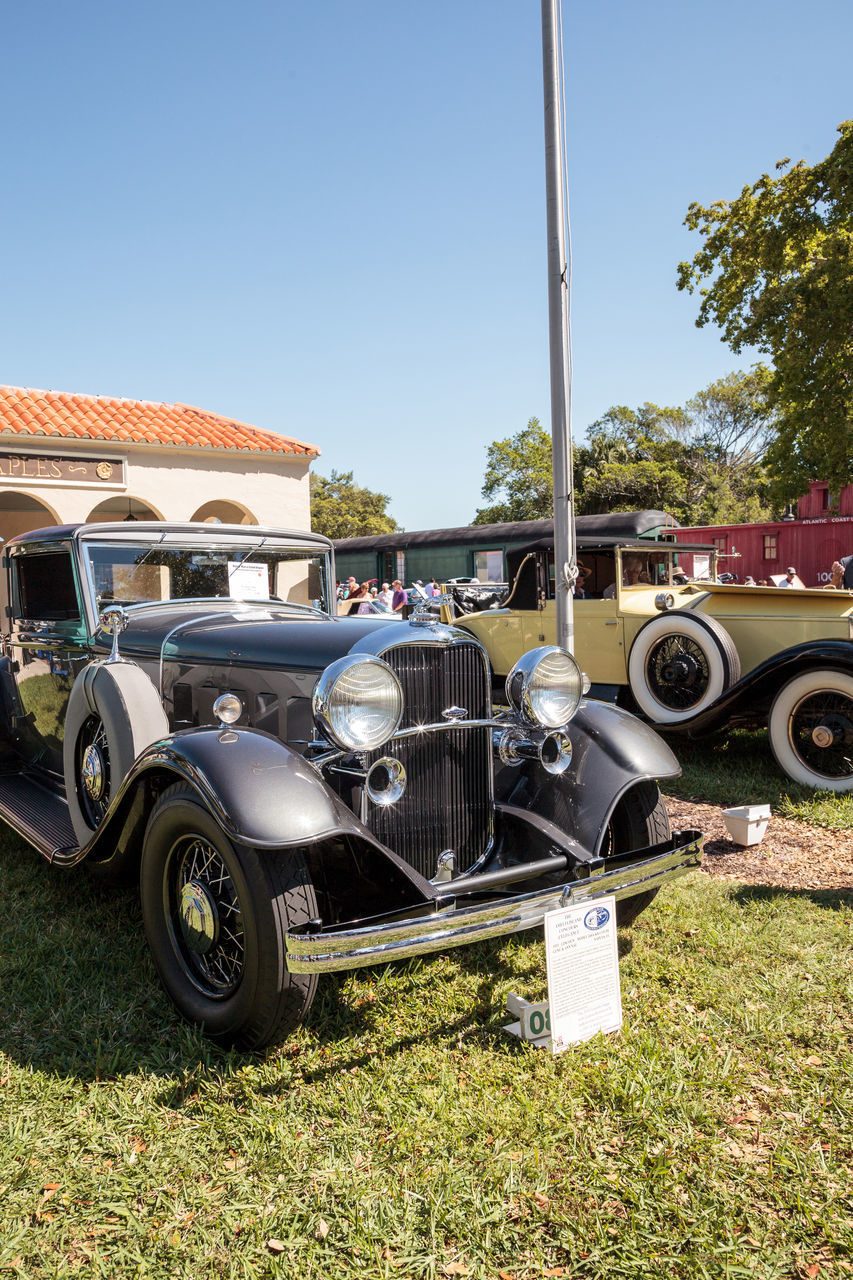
(452,925)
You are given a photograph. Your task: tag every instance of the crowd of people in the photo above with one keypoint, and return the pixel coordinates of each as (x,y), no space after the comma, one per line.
(366,597)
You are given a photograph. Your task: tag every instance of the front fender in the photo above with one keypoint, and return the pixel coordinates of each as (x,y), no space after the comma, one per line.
(260,791)
(612,751)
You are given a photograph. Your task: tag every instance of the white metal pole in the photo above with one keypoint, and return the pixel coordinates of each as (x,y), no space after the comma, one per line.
(565,567)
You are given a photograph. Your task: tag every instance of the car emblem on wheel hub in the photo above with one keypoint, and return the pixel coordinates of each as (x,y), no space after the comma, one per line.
(93,771)
(199,917)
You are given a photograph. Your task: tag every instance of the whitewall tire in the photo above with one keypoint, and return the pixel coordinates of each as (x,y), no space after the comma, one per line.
(811,729)
(679,665)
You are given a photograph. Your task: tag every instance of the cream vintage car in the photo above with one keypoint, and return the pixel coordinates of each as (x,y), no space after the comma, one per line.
(657,632)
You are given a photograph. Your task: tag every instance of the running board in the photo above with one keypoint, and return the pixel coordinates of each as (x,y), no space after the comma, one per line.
(39,815)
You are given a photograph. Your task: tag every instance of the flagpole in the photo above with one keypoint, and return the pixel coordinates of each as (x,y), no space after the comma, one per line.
(565,566)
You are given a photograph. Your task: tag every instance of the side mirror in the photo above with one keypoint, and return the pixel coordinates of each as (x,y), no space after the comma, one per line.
(113,621)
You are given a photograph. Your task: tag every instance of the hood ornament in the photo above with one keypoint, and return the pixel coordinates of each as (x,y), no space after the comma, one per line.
(427,611)
(455,713)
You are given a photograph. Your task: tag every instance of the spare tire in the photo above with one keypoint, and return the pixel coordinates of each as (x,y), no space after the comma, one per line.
(114,713)
(679,665)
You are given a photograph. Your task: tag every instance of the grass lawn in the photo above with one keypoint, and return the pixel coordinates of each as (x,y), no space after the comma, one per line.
(402,1133)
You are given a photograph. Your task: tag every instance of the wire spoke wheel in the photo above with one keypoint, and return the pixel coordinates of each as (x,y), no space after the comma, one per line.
(92,770)
(677,672)
(821,733)
(679,665)
(205,917)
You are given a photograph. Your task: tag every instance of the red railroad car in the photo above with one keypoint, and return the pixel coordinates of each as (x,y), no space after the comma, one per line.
(821,531)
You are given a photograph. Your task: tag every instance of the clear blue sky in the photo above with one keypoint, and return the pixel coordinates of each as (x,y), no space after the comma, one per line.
(326,217)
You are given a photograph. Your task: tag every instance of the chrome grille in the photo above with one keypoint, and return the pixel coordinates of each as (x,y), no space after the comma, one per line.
(448,802)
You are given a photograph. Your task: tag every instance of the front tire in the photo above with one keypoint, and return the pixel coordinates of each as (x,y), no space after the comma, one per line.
(640,819)
(811,730)
(216,915)
(679,665)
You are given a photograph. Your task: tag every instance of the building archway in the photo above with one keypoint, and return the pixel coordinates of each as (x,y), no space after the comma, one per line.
(123,508)
(224,511)
(19,512)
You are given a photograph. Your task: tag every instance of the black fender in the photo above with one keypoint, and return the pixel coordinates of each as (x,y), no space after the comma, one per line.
(260,791)
(748,701)
(612,751)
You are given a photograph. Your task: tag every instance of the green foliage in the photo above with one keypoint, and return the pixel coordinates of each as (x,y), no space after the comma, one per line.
(519,468)
(776,273)
(340,508)
(702,463)
(634,461)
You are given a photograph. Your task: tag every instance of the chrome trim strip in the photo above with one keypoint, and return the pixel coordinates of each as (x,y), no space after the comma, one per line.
(453,927)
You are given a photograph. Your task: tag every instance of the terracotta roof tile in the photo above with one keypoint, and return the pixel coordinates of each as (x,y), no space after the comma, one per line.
(24,411)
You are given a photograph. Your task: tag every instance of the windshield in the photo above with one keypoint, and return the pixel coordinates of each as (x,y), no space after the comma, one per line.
(131,573)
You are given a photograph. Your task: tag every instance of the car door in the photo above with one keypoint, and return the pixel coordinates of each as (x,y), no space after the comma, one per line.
(48,645)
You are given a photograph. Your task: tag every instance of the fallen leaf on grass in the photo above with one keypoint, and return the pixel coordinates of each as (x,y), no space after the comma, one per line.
(813,1061)
(322,1229)
(813,1270)
(276,1246)
(456,1269)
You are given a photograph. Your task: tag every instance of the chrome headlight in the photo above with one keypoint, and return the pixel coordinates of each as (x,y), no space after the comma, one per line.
(358,702)
(545,686)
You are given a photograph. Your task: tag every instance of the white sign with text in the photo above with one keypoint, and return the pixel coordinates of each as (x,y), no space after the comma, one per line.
(583,971)
(248,581)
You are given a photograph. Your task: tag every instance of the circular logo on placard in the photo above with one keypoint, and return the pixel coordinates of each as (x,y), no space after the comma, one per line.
(104,470)
(596,918)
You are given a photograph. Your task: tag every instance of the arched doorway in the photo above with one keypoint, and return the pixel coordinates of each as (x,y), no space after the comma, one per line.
(223,511)
(19,513)
(123,508)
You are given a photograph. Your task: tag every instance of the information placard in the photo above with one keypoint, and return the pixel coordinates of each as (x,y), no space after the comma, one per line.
(583,971)
(248,581)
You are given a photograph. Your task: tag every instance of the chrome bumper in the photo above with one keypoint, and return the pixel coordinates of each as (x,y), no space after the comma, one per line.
(452,926)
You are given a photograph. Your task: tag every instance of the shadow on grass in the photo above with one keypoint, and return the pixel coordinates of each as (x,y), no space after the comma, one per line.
(829,899)
(79,995)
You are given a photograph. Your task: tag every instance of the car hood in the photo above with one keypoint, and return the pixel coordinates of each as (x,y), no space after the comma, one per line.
(258,637)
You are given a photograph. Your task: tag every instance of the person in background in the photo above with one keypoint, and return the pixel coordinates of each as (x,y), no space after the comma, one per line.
(836,576)
(433,589)
(386,596)
(399,600)
(789,578)
(419,591)
(356,596)
(762,582)
(749,581)
(846,563)
(366,599)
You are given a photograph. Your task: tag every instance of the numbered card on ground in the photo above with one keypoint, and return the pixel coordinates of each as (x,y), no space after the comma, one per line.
(584,995)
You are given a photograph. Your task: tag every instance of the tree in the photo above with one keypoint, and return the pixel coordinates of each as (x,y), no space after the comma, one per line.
(727,429)
(519,468)
(634,462)
(340,508)
(776,270)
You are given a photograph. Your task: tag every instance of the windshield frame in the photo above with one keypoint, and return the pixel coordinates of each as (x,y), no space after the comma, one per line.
(238,541)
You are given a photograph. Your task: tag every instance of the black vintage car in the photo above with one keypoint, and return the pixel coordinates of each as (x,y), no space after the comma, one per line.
(297,792)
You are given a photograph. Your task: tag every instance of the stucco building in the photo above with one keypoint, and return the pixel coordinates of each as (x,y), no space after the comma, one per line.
(66,458)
